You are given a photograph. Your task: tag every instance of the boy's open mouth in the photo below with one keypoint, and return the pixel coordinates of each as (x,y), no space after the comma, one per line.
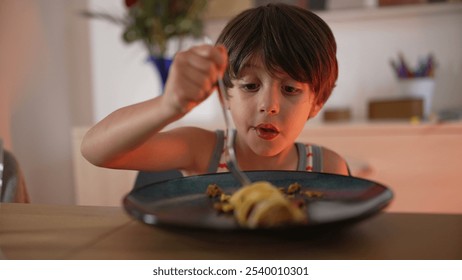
(266,131)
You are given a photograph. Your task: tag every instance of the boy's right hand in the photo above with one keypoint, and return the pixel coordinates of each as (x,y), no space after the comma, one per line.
(193,76)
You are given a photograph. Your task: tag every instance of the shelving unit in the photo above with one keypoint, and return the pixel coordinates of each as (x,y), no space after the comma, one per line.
(375,13)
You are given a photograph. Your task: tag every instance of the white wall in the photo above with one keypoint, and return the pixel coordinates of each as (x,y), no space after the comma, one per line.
(15,58)
(121,73)
(40,108)
(367,40)
(366,45)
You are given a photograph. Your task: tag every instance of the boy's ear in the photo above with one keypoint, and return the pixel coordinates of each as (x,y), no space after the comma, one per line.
(315,110)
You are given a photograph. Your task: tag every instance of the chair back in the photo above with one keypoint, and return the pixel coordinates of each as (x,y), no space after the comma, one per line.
(12,184)
(1,168)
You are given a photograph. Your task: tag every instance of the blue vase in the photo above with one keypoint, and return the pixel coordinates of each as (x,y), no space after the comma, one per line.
(162,64)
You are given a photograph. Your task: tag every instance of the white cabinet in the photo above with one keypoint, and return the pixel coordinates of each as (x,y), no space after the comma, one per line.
(420,163)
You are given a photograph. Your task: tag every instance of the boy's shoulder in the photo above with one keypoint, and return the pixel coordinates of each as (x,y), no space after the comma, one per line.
(334,163)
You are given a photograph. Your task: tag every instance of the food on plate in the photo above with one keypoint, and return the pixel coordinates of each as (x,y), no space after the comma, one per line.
(260,205)
(312,194)
(213,190)
(293,188)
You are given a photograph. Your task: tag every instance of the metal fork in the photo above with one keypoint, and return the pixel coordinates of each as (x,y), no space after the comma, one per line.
(230,131)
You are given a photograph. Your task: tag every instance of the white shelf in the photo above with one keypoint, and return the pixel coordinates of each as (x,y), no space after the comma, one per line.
(369,13)
(375,13)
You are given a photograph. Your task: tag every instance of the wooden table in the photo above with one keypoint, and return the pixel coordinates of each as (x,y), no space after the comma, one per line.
(30,231)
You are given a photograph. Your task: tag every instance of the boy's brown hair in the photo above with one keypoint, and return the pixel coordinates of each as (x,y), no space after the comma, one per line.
(287,38)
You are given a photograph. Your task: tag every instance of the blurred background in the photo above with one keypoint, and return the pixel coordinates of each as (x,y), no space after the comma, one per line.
(61,72)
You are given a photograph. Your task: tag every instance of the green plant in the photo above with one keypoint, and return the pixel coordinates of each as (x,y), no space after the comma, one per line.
(154,22)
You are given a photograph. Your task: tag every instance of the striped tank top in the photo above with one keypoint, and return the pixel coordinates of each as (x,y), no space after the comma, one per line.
(309,156)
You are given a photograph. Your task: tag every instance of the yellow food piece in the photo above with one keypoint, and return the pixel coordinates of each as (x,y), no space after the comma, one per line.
(263,205)
(227,207)
(224,197)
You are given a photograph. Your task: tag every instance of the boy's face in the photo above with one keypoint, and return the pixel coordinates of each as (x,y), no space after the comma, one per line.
(268,109)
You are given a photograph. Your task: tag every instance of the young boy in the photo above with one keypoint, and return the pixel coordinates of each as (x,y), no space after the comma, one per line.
(279,65)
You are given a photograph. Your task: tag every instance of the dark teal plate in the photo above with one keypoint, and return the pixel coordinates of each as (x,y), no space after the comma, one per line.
(183,202)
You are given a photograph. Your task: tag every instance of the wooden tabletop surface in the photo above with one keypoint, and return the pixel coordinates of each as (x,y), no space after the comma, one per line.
(31,231)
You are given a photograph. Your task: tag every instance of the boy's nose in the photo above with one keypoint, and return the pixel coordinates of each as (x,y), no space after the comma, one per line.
(269,103)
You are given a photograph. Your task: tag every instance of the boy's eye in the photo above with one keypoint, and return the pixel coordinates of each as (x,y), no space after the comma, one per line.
(250,87)
(290,90)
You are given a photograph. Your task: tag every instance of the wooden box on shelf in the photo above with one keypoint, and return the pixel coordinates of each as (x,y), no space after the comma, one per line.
(337,115)
(403,108)
(400,2)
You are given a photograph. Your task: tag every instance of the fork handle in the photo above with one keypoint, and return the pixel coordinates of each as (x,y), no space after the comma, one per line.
(232,161)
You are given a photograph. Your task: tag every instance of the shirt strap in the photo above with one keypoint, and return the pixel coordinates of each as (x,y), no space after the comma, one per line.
(309,157)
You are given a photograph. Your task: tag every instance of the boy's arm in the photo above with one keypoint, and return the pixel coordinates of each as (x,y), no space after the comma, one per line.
(124,131)
(130,137)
